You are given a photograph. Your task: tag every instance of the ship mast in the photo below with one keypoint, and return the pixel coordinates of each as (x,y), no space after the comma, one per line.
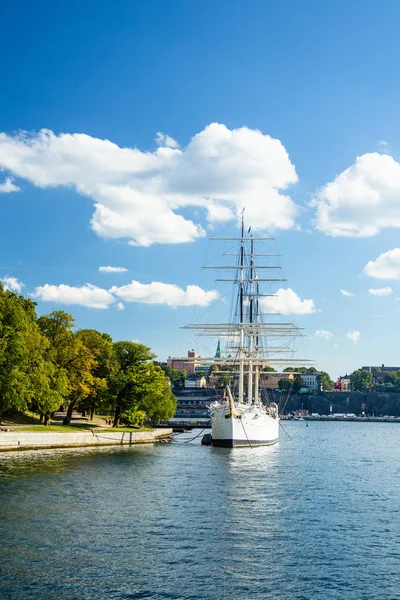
(251,335)
(241,286)
(247,329)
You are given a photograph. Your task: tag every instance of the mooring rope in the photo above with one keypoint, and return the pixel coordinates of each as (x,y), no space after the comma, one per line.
(245,433)
(195,437)
(280,425)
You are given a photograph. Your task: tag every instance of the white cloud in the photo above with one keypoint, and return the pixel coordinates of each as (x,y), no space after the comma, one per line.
(165,140)
(386,266)
(120,306)
(138,195)
(112,270)
(12,284)
(287,302)
(324,333)
(354,335)
(385,291)
(164,293)
(8,186)
(346,293)
(87,295)
(362,200)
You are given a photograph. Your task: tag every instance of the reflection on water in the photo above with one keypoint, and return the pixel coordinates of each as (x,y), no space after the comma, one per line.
(313,517)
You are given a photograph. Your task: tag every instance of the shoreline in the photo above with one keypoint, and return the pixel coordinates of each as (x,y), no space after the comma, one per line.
(31,440)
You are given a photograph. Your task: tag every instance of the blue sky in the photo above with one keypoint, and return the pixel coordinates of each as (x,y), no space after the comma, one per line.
(299,90)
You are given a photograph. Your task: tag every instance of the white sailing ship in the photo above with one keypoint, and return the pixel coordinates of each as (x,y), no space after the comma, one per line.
(256,339)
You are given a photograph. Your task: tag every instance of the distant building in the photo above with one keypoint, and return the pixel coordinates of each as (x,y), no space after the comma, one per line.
(183,364)
(343,384)
(312,380)
(381,368)
(195,381)
(379,373)
(194,402)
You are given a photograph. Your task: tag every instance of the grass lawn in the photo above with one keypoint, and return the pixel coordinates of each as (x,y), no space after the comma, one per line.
(76,428)
(59,427)
(124,429)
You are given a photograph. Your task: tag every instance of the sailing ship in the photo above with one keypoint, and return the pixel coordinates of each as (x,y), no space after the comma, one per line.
(257,339)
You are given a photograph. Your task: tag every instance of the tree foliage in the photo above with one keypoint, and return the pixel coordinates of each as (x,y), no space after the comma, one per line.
(139,386)
(176,376)
(361,380)
(46,364)
(325,382)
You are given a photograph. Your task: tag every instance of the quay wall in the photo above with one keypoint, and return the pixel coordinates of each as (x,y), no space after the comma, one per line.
(370,403)
(24,440)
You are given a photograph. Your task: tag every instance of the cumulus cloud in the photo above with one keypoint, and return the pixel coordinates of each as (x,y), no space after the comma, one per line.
(8,186)
(346,293)
(386,266)
(385,291)
(164,293)
(112,270)
(87,295)
(138,195)
(354,335)
(287,302)
(362,200)
(91,296)
(12,284)
(324,333)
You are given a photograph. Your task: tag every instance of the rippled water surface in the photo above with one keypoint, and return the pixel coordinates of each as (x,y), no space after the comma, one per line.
(315,517)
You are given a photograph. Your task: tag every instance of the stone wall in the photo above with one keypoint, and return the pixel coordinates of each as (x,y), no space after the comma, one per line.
(23,440)
(372,403)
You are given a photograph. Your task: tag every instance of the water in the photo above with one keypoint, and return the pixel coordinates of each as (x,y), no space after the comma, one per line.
(315,517)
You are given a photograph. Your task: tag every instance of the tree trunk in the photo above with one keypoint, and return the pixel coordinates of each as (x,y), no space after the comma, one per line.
(83,413)
(46,418)
(67,418)
(117,416)
(91,413)
(41,418)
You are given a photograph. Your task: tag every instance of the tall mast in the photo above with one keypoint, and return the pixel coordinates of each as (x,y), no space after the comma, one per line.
(256,374)
(246,331)
(251,302)
(241,286)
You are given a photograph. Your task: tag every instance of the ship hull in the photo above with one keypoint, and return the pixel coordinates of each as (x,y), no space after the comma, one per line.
(243,427)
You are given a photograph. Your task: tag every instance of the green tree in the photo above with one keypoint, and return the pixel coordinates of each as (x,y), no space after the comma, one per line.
(102,349)
(293,383)
(139,386)
(360,380)
(392,378)
(70,356)
(325,382)
(176,376)
(19,337)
